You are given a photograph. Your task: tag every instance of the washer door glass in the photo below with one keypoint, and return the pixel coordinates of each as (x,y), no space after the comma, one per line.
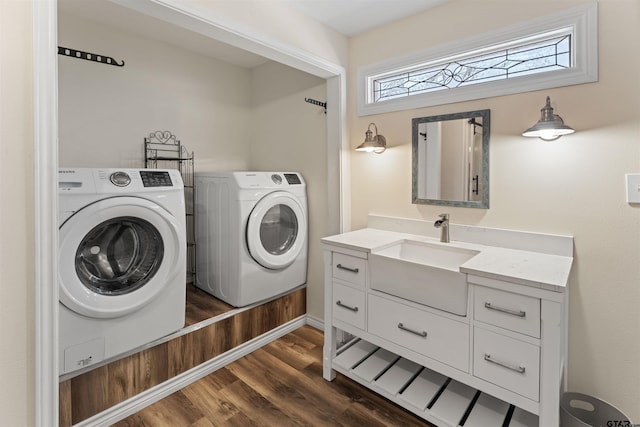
(119,255)
(276,230)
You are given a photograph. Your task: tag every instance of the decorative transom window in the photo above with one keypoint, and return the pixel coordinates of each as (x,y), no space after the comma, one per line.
(523,57)
(553,51)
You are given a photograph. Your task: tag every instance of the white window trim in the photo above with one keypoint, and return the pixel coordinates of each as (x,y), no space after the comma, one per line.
(583,19)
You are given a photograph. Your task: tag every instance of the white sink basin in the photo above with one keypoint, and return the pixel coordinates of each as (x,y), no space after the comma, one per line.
(426,273)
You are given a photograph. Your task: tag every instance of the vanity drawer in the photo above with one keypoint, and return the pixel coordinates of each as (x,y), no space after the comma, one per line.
(348,305)
(507,362)
(434,336)
(350,269)
(518,313)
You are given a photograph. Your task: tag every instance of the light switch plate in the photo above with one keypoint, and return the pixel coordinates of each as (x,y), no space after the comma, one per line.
(633,187)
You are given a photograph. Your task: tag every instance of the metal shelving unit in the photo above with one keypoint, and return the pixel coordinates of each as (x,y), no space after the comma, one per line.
(162,150)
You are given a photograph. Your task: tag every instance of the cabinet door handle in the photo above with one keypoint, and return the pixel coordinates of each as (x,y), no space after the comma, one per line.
(340,304)
(518,313)
(342,267)
(422,334)
(518,369)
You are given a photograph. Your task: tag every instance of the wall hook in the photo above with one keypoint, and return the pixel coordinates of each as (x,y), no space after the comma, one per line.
(73,53)
(319,103)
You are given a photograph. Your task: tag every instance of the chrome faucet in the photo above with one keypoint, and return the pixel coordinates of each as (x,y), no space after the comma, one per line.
(443,223)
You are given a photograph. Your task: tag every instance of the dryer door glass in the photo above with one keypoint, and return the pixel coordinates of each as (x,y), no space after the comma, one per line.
(278,229)
(119,256)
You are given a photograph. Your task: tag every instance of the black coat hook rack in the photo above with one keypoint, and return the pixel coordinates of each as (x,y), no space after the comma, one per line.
(319,103)
(73,53)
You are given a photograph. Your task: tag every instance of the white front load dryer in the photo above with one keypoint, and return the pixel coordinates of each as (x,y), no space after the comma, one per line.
(251,234)
(122,261)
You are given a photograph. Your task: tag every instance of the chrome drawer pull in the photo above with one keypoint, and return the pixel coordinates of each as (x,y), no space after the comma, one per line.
(518,369)
(342,267)
(340,304)
(518,313)
(422,334)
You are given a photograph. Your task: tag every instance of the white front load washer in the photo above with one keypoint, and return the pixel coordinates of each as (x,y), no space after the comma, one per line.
(122,261)
(251,234)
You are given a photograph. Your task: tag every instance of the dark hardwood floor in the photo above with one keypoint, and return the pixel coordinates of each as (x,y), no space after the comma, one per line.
(280,384)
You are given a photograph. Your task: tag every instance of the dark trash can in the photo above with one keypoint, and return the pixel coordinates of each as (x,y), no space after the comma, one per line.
(581,410)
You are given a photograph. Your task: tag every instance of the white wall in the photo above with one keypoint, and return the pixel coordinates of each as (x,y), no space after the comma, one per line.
(572,186)
(290,134)
(106,111)
(16,216)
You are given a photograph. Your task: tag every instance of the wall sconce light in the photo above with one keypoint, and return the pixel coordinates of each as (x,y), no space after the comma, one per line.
(550,126)
(376,144)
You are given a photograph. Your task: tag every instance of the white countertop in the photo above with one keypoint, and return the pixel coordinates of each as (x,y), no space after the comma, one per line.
(535,269)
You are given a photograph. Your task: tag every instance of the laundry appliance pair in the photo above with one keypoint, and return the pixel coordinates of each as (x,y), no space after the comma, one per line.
(251,234)
(122,261)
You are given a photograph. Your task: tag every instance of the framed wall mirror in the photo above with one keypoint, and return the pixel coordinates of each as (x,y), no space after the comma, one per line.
(450,159)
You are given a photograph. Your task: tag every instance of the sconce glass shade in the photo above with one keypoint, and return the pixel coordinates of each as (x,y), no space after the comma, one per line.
(550,126)
(376,144)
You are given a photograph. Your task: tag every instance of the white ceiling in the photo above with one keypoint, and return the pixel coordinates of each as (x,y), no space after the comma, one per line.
(131,21)
(349,17)
(352,17)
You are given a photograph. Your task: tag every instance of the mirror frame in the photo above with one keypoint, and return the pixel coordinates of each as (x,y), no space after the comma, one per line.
(486,129)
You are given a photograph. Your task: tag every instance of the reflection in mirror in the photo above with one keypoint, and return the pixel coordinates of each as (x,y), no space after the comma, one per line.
(451,159)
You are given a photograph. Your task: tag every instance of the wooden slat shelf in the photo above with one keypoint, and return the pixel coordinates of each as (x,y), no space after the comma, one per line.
(430,395)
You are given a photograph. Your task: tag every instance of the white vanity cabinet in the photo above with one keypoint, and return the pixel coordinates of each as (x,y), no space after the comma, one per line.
(509,360)
(438,337)
(503,359)
(348,277)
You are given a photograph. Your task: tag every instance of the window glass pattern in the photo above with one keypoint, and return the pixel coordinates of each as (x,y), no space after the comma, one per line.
(550,53)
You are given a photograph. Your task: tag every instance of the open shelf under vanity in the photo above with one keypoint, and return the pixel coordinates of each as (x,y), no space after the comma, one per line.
(431,395)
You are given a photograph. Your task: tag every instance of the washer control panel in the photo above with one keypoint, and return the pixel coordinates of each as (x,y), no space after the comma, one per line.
(117,181)
(156,179)
(120,179)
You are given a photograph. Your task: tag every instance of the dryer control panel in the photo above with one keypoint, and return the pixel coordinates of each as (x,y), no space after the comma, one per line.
(266,180)
(292,178)
(277,179)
